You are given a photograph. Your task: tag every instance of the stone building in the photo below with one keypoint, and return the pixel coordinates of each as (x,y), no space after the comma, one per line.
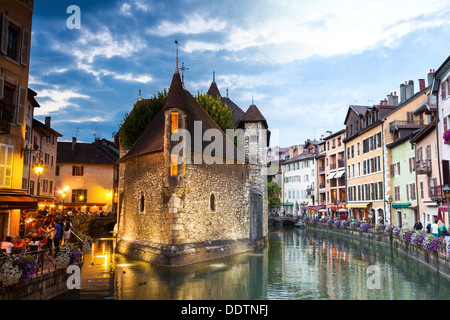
(185,199)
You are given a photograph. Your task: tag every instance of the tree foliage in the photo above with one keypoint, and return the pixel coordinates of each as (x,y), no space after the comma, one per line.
(134,123)
(218,112)
(144,111)
(273,190)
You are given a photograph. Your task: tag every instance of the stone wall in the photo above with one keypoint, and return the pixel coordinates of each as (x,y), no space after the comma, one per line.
(177,226)
(144,177)
(41,287)
(436,261)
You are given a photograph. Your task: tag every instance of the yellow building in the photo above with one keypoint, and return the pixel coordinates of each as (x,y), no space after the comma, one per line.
(87,176)
(368,160)
(15,39)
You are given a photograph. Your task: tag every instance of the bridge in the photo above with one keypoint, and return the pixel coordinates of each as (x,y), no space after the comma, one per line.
(103,223)
(285,221)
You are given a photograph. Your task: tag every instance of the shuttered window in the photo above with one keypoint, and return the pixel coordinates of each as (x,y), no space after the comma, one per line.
(6,161)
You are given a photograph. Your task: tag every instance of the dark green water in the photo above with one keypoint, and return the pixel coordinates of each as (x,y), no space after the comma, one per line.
(296,264)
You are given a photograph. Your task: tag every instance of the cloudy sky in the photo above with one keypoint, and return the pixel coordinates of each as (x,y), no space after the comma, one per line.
(303,62)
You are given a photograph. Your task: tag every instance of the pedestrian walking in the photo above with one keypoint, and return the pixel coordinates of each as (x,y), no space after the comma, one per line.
(418,225)
(67,231)
(429,227)
(435,229)
(57,234)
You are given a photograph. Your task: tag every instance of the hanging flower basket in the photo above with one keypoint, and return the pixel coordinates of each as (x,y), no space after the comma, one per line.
(446,136)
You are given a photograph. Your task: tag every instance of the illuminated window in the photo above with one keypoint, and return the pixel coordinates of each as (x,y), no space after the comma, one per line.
(173,165)
(174,121)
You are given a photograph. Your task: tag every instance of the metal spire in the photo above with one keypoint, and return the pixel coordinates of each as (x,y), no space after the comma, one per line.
(176,67)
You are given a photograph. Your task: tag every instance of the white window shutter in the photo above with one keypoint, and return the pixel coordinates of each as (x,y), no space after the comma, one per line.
(8,167)
(25,47)
(21,103)
(4,39)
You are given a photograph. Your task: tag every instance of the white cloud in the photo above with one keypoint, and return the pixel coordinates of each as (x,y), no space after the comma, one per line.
(288,31)
(194,24)
(91,45)
(56,99)
(125,10)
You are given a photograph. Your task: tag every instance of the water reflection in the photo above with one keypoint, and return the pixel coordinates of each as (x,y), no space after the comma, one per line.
(297,264)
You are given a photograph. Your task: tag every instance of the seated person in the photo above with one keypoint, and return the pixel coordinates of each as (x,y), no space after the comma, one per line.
(7,245)
(19,245)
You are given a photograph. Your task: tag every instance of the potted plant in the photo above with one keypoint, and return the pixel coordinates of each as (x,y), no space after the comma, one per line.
(446,136)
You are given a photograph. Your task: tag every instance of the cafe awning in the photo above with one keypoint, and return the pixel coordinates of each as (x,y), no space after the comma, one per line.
(10,202)
(401,205)
(359,205)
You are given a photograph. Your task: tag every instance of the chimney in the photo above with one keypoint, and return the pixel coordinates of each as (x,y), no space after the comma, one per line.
(47,121)
(409,90)
(421,84)
(402,93)
(430,77)
(392,99)
(74,142)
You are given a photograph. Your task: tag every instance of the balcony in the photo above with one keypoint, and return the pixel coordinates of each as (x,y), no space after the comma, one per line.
(321,169)
(423,167)
(405,124)
(435,192)
(6,116)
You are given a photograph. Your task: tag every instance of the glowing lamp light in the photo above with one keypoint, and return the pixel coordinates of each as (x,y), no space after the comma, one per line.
(38,169)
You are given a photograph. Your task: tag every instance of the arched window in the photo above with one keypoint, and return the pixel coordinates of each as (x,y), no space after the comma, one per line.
(142,203)
(212,202)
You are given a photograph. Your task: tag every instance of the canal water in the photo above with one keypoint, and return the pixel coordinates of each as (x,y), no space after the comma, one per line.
(297,264)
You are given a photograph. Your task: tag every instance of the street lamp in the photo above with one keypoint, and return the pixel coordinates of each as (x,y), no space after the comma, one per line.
(446,191)
(390,199)
(38,170)
(63,195)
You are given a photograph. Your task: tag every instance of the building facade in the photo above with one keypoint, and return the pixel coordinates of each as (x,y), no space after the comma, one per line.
(16,22)
(87,176)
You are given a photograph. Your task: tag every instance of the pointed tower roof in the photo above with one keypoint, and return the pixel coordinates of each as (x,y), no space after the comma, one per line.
(214,92)
(253,115)
(152,139)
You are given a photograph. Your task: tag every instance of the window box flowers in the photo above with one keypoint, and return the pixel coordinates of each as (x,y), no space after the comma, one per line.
(365,227)
(446,136)
(431,244)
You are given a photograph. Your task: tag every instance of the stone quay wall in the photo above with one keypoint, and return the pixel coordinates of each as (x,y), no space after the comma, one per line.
(44,286)
(436,261)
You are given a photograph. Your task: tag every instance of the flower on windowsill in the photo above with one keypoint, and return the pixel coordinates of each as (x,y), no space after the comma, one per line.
(446,136)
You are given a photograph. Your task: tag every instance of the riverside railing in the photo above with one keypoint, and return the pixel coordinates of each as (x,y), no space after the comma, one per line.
(44,257)
(441,248)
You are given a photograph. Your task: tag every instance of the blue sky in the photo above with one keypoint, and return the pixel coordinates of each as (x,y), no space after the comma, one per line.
(303,62)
